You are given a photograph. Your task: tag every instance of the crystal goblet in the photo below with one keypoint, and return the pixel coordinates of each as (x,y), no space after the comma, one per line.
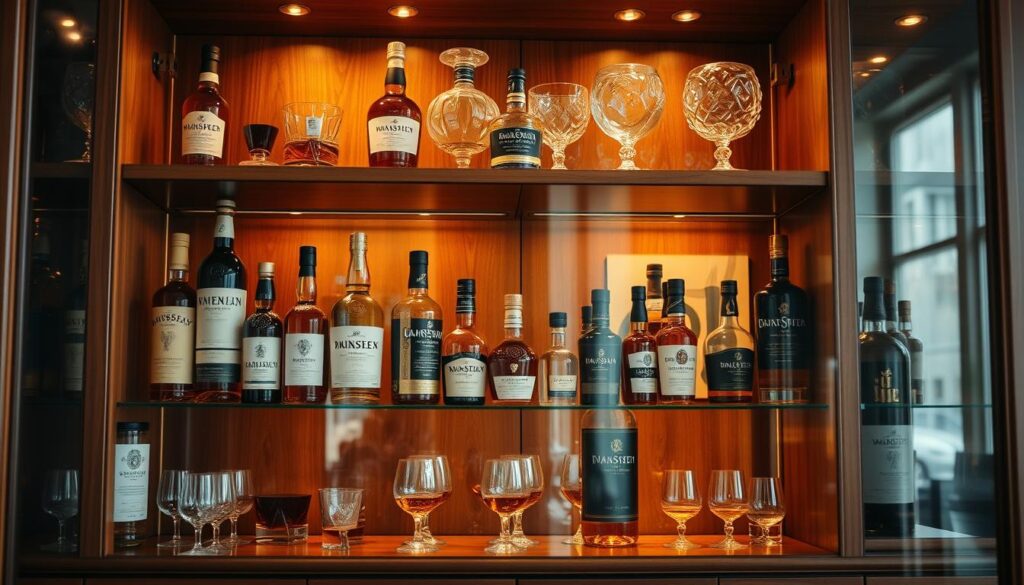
(457,119)
(78,96)
(627,101)
(722,102)
(564,108)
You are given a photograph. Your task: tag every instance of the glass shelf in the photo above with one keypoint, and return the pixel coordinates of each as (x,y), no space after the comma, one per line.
(924,406)
(700,405)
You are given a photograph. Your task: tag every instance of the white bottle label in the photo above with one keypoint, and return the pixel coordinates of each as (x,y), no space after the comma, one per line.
(562,386)
(74,350)
(393,134)
(219,320)
(643,372)
(225,226)
(464,377)
(356,356)
(887,455)
(677,366)
(261,363)
(131,482)
(304,359)
(172,345)
(653,308)
(202,132)
(514,387)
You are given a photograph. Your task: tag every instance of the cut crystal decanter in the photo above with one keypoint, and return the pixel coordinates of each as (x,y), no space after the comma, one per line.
(458,118)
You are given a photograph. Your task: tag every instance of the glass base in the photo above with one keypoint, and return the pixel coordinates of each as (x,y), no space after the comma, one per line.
(287,535)
(172,543)
(236,541)
(681,544)
(416,548)
(729,544)
(504,548)
(62,546)
(523,541)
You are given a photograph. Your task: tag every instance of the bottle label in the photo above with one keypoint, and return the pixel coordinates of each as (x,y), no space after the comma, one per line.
(465,375)
(730,372)
(393,134)
(653,306)
(261,363)
(562,386)
(131,482)
(782,331)
(356,356)
(219,319)
(514,387)
(643,372)
(225,226)
(314,124)
(202,132)
(887,455)
(416,356)
(600,368)
(172,345)
(304,359)
(609,472)
(515,147)
(677,366)
(74,350)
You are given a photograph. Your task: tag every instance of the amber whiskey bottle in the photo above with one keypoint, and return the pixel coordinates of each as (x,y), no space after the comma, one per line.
(512,366)
(357,334)
(204,115)
(516,135)
(417,328)
(305,330)
(677,349)
(393,122)
(464,359)
(639,354)
(173,322)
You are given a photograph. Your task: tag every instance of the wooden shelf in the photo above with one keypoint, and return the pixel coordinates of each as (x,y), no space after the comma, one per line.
(476,192)
(697,405)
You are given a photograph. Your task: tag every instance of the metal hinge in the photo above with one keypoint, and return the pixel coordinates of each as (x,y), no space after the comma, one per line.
(783,75)
(164,62)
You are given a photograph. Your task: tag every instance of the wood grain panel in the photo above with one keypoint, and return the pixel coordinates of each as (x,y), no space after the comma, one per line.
(194,581)
(792,581)
(801,109)
(676,581)
(145,98)
(46,581)
(671,145)
(975,580)
(259,75)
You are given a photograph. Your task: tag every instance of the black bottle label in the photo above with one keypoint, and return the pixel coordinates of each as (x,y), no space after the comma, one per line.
(609,472)
(782,331)
(731,369)
(515,147)
(600,369)
(416,356)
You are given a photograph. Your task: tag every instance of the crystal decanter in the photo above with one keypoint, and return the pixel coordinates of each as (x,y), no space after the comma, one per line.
(458,118)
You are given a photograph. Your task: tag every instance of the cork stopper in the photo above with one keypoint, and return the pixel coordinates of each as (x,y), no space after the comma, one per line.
(778,246)
(225,206)
(266,269)
(179,252)
(396,50)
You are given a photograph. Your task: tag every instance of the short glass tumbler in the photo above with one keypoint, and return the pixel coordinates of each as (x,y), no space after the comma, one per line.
(458,119)
(627,101)
(564,108)
(722,102)
(282,518)
(339,513)
(311,134)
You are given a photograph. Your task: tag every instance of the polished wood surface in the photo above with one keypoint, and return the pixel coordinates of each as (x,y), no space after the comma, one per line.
(145,96)
(734,20)
(791,581)
(937,580)
(671,144)
(672,581)
(357,581)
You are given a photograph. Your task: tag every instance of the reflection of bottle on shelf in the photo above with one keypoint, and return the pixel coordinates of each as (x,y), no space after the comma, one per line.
(74,328)
(40,367)
(916,347)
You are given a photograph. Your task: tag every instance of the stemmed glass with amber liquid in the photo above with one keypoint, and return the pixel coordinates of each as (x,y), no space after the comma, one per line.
(680,500)
(572,490)
(727,500)
(505,490)
(418,490)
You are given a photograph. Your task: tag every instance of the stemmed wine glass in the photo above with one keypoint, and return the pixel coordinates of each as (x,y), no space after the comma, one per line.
(78,95)
(680,500)
(505,490)
(766,507)
(446,483)
(564,108)
(222,505)
(418,490)
(727,500)
(244,497)
(627,101)
(167,501)
(572,490)
(60,500)
(533,476)
(722,102)
(206,498)
(194,489)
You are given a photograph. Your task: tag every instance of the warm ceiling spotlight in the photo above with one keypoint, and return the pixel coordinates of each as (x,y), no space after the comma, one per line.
(686,15)
(863,74)
(294,9)
(74,36)
(911,20)
(629,15)
(68,22)
(878,59)
(403,11)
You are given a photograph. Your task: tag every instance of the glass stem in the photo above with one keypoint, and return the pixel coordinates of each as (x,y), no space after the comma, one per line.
(505,528)
(728,530)
(234,528)
(558,158)
(417,535)
(176,521)
(681,530)
(517,523)
(216,533)
(199,536)
(60,531)
(343,539)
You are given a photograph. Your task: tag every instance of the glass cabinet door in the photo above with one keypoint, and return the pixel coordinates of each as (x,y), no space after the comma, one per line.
(926,384)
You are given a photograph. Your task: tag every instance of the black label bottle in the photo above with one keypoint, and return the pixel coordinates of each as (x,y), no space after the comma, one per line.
(640,353)
(516,134)
(783,317)
(729,354)
(600,355)
(261,344)
(608,467)
(417,329)
(464,360)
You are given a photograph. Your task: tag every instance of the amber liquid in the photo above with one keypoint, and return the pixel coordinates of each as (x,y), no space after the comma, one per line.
(310,153)
(507,504)
(422,504)
(610,534)
(394,102)
(206,98)
(638,341)
(534,498)
(305,317)
(176,293)
(512,357)
(574,495)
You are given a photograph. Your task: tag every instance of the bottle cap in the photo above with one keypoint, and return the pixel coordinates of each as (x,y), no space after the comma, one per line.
(558,319)
(729,287)
(676,287)
(396,50)
(307,256)
(586,314)
(132,426)
(417,258)
(654,270)
(225,206)
(465,286)
(778,246)
(904,308)
(638,293)
(890,287)
(357,241)
(211,53)
(600,296)
(514,300)
(873,285)
(179,239)
(513,311)
(266,269)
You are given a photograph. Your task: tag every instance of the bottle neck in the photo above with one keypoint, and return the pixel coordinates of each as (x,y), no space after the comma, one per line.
(558,337)
(465,320)
(394,81)
(780,268)
(305,292)
(418,279)
(177,275)
(265,294)
(638,326)
(515,104)
(638,314)
(870,326)
(675,309)
(515,332)
(358,272)
(654,287)
(224,231)
(729,307)
(874,314)
(906,325)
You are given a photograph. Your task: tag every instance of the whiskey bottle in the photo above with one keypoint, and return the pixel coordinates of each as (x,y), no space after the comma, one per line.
(220,314)
(600,352)
(729,353)
(559,367)
(783,333)
(305,328)
(41,364)
(887,431)
(74,328)
(416,334)
(654,302)
(891,314)
(677,349)
(916,347)
(516,134)
(393,122)
(261,344)
(512,366)
(357,334)
(609,473)
(173,330)
(204,115)
(640,352)
(464,354)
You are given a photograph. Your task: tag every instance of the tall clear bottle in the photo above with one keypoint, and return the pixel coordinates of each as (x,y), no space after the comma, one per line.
(729,353)
(357,334)
(173,330)
(417,329)
(305,330)
(609,469)
(220,313)
(559,367)
(261,344)
(464,352)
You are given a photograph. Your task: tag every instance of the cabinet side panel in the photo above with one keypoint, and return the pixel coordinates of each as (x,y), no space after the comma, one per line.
(145,97)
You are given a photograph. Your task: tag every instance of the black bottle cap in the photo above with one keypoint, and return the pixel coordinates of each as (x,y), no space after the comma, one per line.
(873,285)
(638,293)
(654,270)
(676,287)
(132,426)
(307,256)
(874,309)
(465,286)
(586,314)
(600,296)
(729,287)
(211,53)
(558,319)
(418,258)
(904,308)
(516,81)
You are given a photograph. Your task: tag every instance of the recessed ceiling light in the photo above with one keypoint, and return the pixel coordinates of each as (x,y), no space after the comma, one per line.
(911,20)
(68,22)
(403,11)
(629,14)
(74,36)
(863,74)
(878,59)
(679,216)
(294,9)
(686,15)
